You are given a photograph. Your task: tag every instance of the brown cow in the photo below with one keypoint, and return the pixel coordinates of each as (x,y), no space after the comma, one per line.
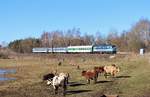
(99,69)
(90,74)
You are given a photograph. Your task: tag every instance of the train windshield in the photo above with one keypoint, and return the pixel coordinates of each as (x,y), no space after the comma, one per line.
(114,46)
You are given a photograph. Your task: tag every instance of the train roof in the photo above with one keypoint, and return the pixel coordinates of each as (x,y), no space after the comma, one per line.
(57,47)
(39,48)
(104,45)
(82,46)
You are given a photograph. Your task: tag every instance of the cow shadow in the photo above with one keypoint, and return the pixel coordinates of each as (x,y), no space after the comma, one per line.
(73,84)
(125,76)
(70,92)
(104,81)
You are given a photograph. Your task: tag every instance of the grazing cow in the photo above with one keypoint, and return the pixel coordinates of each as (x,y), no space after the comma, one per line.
(112,70)
(90,74)
(58,81)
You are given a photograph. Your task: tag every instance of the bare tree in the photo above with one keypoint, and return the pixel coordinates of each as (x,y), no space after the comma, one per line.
(139,35)
(99,39)
(45,38)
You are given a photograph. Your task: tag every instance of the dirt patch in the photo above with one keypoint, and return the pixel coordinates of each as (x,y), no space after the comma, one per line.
(35,90)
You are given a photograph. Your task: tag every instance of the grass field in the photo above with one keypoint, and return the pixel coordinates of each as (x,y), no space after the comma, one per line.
(133,80)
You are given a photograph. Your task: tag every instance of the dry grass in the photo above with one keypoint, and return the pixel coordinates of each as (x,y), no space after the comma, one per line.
(132,81)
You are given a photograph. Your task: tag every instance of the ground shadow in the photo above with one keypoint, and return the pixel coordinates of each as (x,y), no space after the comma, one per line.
(109,96)
(73,84)
(104,81)
(70,92)
(126,76)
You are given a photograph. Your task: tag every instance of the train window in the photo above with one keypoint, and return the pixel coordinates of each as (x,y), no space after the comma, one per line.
(104,47)
(108,47)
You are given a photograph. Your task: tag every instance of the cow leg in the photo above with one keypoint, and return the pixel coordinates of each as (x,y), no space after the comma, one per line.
(64,91)
(95,79)
(67,80)
(105,75)
(64,86)
(56,89)
(97,76)
(114,74)
(88,81)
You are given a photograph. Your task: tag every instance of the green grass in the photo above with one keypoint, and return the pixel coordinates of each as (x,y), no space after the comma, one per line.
(132,81)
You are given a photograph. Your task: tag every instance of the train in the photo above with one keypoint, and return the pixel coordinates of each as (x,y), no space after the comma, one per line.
(103,48)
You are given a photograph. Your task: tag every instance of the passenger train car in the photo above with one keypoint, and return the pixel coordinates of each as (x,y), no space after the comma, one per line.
(103,48)
(80,49)
(57,50)
(40,50)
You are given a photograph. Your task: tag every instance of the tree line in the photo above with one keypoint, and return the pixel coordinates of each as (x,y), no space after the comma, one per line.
(132,40)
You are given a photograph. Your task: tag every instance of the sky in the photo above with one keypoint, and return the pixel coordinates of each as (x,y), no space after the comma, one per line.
(30,18)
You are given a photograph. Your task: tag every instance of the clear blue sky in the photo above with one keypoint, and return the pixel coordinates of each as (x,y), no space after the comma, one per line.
(29,18)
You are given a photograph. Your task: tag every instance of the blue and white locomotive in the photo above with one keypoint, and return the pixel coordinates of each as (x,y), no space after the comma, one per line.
(103,48)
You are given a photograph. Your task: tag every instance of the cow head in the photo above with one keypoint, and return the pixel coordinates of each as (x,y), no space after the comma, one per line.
(83,73)
(117,69)
(49,82)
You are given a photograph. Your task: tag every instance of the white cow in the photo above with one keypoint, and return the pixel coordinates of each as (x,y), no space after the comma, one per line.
(58,81)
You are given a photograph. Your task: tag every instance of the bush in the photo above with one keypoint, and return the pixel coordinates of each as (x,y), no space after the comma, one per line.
(3,56)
